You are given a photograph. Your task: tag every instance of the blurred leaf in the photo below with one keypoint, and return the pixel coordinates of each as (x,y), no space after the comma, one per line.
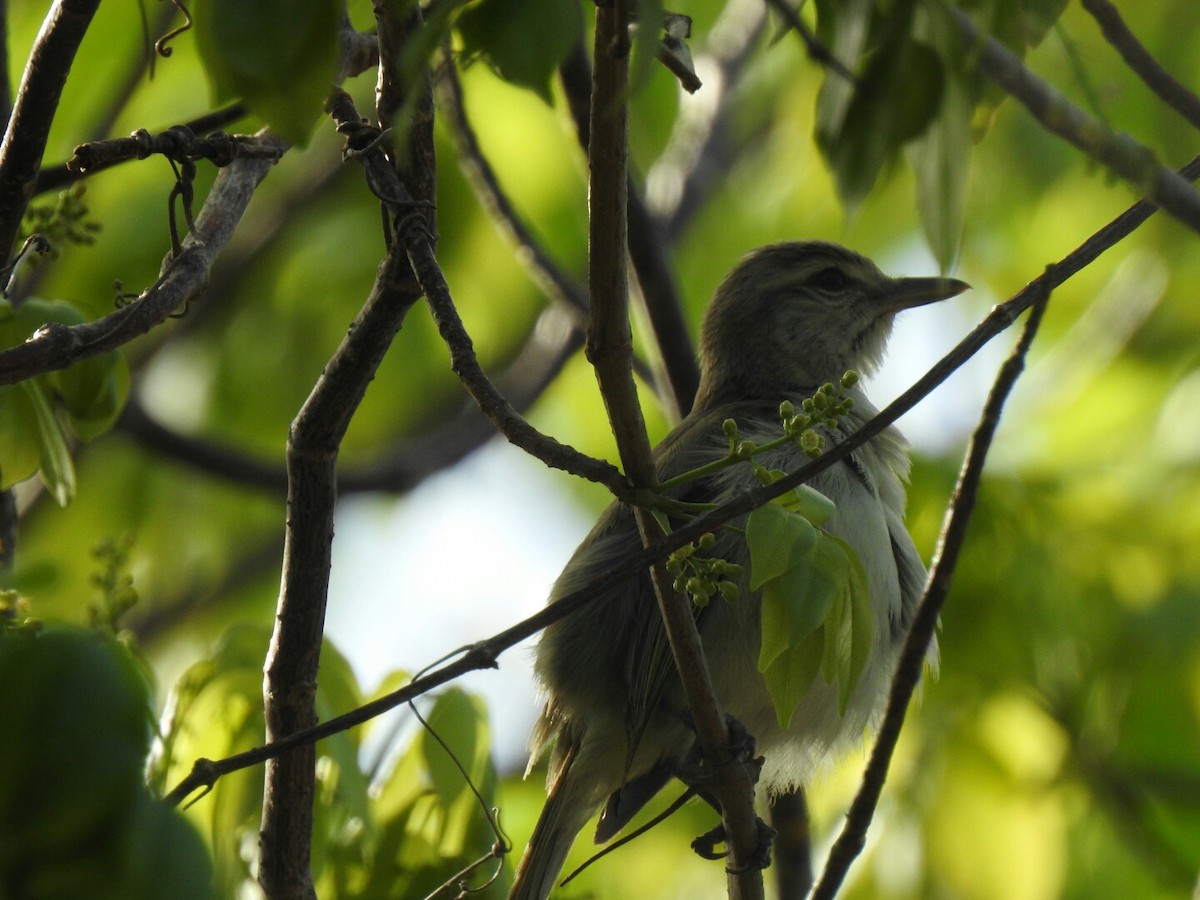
(20,442)
(893,102)
(279,56)
(76,818)
(523,41)
(792,673)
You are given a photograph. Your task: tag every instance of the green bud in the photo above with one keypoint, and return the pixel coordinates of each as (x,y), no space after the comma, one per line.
(848,404)
(745,449)
(729,426)
(786,410)
(828,389)
(730,592)
(850,379)
(807,405)
(811,442)
(679,584)
(707,541)
(820,402)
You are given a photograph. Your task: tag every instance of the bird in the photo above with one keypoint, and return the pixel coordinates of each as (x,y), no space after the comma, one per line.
(787,319)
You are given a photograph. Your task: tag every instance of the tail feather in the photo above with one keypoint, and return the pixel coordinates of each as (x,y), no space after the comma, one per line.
(569,804)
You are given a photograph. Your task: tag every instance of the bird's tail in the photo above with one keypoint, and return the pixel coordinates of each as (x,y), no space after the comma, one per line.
(570,802)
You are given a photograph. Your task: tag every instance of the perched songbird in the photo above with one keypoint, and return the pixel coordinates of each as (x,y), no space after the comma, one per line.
(788,319)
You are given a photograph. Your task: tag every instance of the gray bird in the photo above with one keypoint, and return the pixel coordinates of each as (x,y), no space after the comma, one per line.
(789,318)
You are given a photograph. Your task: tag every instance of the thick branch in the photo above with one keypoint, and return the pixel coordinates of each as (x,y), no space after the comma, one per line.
(1168,89)
(41,88)
(1118,152)
(609,348)
(291,666)
(183,277)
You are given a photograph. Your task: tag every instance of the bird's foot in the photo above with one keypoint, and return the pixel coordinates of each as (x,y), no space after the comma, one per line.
(705,846)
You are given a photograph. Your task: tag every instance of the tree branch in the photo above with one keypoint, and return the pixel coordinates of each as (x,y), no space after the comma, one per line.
(1118,152)
(291,666)
(1168,89)
(609,348)
(647,250)
(363,146)
(41,87)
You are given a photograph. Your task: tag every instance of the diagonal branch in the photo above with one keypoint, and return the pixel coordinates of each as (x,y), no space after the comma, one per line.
(364,146)
(1118,152)
(1168,89)
(912,659)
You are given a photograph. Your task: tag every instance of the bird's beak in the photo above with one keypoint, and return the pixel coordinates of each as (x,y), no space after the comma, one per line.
(905,293)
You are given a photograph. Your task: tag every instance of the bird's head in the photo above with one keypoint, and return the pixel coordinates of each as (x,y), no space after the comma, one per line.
(793,316)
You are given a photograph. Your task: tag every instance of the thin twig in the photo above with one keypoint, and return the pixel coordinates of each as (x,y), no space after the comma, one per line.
(817,51)
(41,87)
(912,658)
(1118,152)
(1168,89)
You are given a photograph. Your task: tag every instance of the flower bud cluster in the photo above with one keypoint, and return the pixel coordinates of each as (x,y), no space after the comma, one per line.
(823,408)
(702,577)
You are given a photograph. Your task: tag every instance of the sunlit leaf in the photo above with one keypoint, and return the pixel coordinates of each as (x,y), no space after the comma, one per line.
(55,463)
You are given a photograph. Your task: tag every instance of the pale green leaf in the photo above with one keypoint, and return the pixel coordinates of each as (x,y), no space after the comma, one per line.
(777,540)
(808,502)
(792,673)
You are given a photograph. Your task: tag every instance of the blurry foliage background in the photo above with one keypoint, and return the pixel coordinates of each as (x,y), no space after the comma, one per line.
(1058,755)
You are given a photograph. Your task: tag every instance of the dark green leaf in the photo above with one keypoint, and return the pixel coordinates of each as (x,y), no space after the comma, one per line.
(279,56)
(524,41)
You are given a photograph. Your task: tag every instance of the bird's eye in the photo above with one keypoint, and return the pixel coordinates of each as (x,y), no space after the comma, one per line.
(830,279)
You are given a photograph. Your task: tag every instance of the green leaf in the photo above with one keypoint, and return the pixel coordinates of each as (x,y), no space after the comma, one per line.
(455,719)
(93,391)
(20,447)
(792,673)
(54,457)
(808,502)
(524,42)
(777,540)
(797,601)
(278,56)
